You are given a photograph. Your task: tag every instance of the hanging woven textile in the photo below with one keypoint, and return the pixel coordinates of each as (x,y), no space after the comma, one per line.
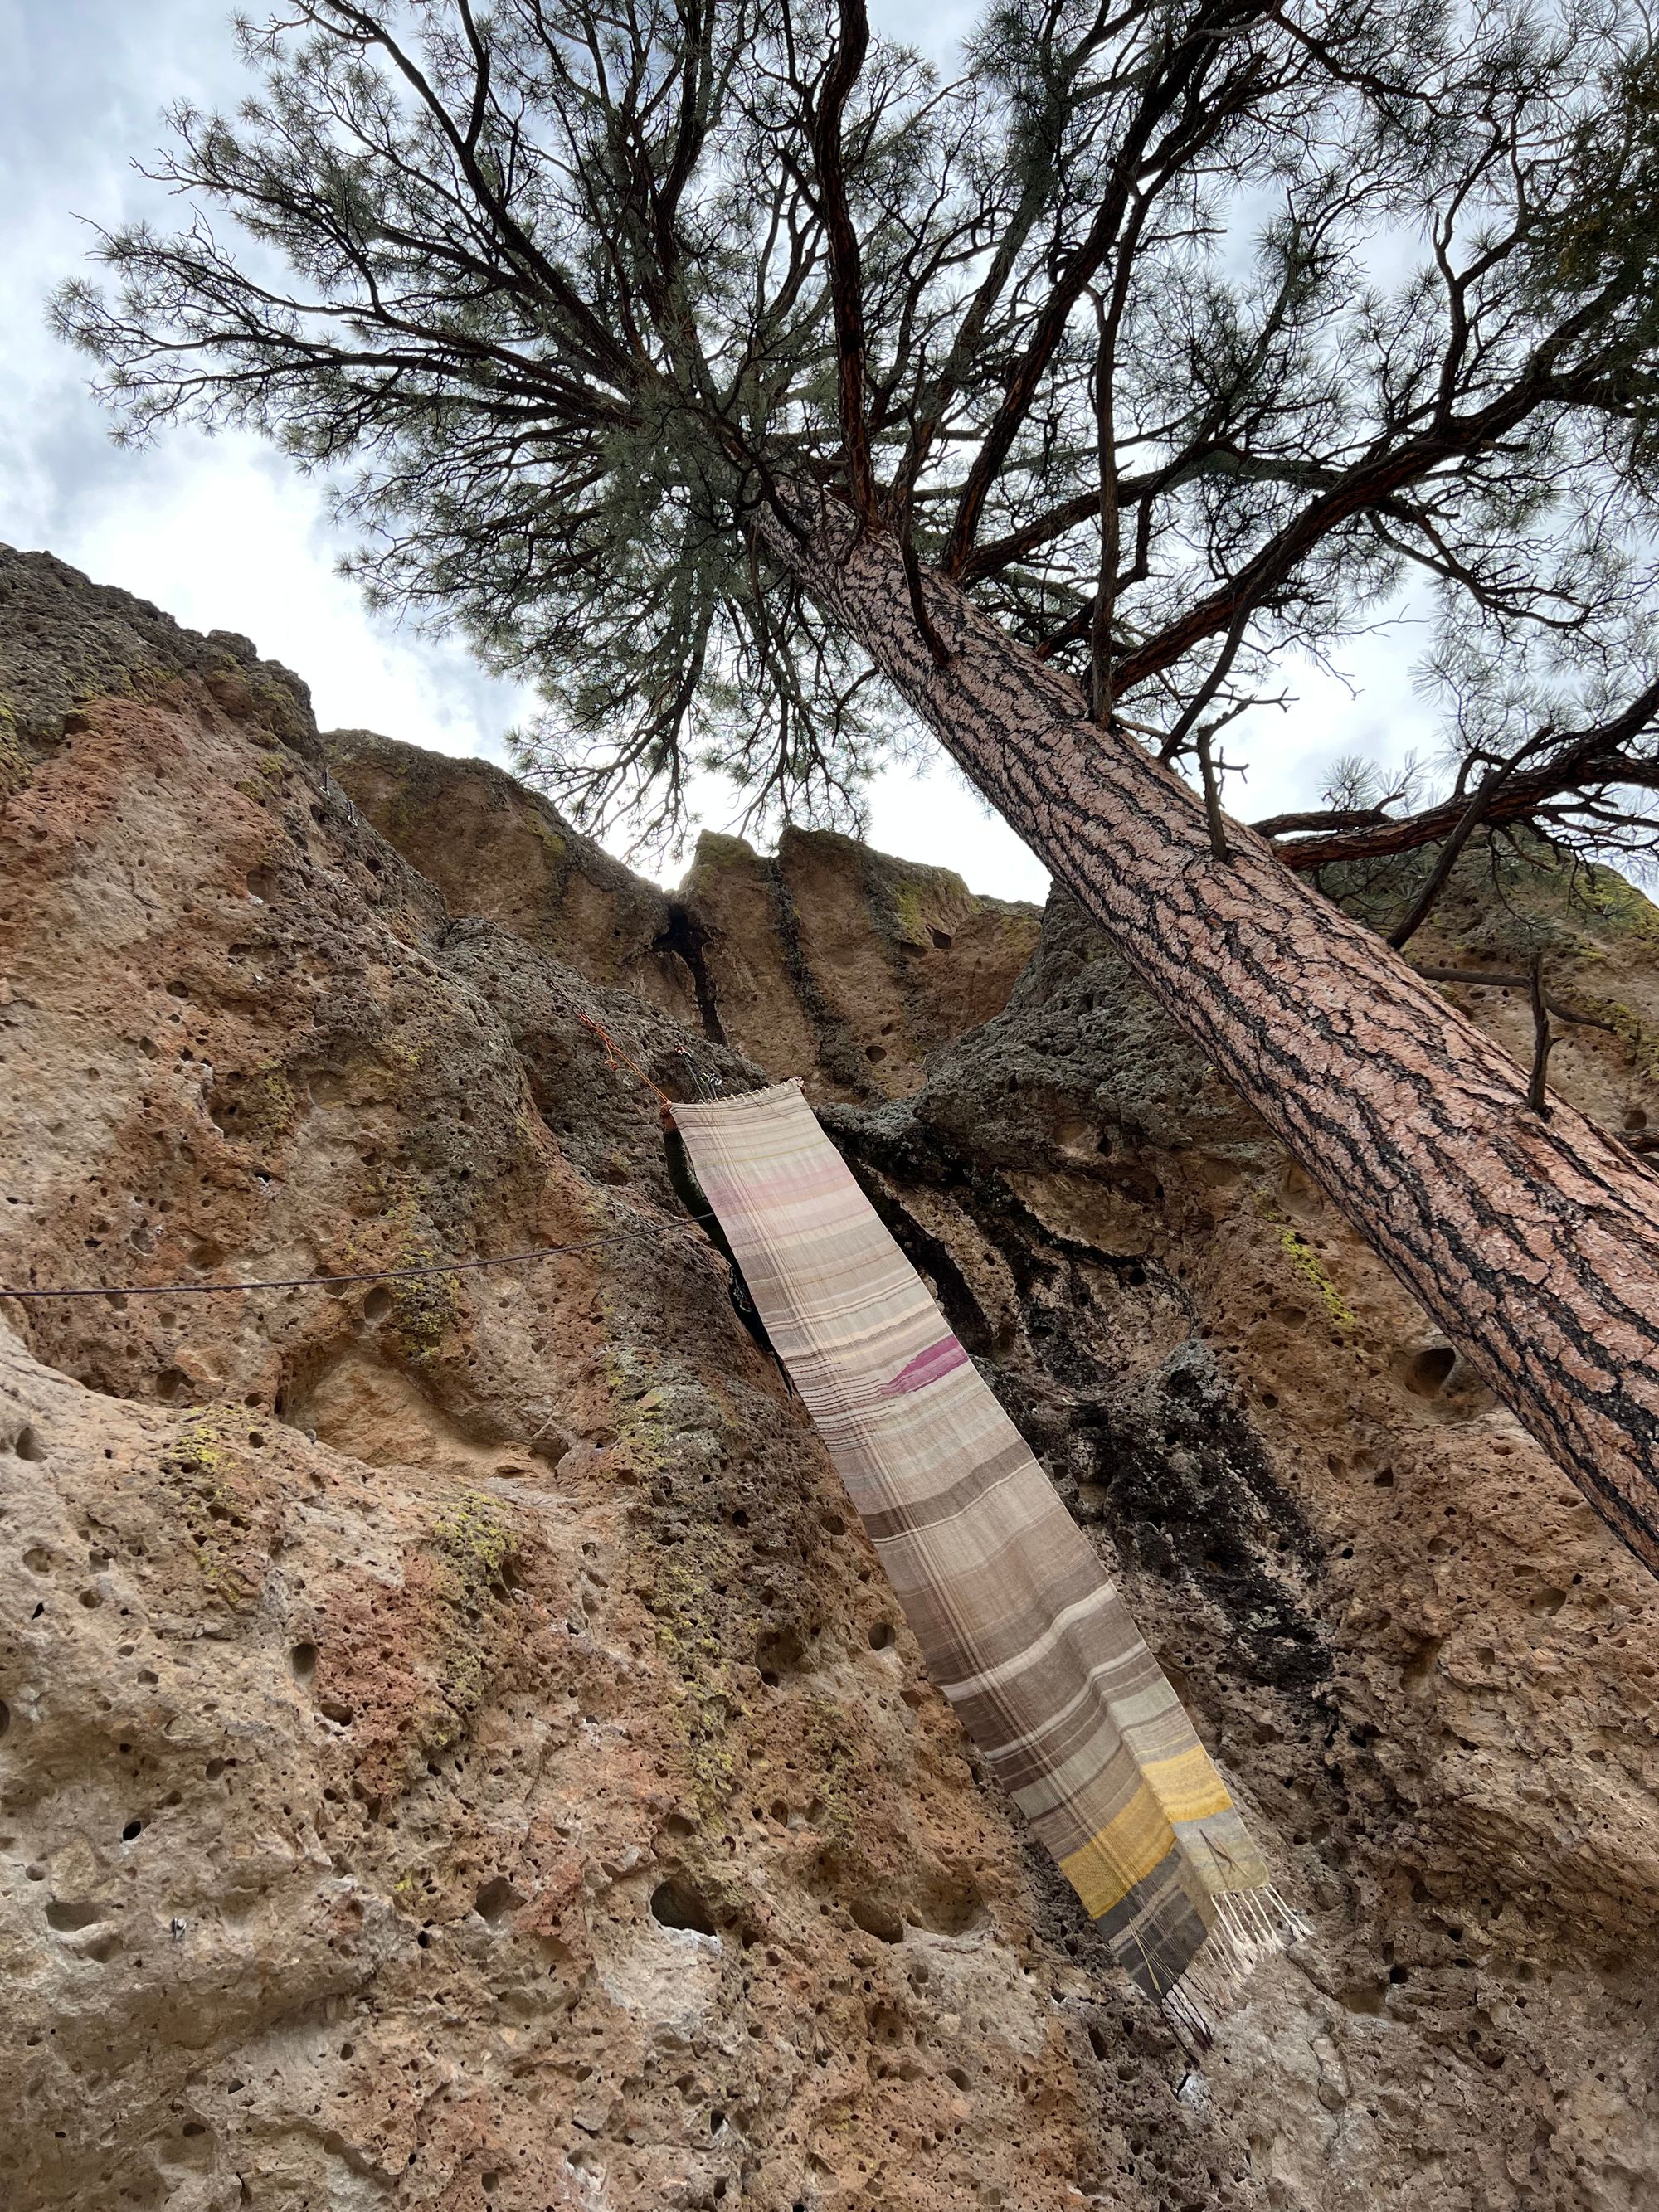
(1016,1620)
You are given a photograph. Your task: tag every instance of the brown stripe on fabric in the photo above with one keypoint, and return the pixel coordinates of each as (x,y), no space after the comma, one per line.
(968,1489)
(1156,1929)
(993,1611)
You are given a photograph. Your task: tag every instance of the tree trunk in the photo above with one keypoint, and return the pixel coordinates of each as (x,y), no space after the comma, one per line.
(1533,1242)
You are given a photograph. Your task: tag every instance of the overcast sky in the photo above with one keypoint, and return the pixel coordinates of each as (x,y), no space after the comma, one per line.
(223,534)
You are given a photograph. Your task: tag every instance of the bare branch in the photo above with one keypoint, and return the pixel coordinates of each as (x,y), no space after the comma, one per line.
(847,289)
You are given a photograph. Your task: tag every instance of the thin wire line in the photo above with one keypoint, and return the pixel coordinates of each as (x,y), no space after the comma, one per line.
(616,1057)
(367,1275)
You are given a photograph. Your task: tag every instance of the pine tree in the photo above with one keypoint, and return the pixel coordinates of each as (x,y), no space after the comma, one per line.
(761,396)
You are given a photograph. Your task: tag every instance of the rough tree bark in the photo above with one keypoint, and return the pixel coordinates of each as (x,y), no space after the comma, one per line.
(1533,1241)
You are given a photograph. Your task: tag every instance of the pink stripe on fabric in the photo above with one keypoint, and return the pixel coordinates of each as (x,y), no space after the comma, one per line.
(939,1359)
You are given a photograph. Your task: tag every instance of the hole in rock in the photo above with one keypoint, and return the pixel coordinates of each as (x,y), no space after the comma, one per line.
(303,1661)
(334,1708)
(28,1444)
(875,1051)
(1636,1118)
(132,1830)
(941,940)
(361,1403)
(378,1304)
(876,1919)
(945,1901)
(1364,1997)
(170,1383)
(67,1917)
(779,1651)
(497,1899)
(5,1716)
(1426,1375)
(676,1904)
(882,1634)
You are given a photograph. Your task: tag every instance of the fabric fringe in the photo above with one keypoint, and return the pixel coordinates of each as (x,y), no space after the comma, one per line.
(1250,1924)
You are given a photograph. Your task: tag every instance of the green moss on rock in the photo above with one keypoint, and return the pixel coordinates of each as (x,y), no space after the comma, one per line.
(1311,1269)
(683,1609)
(426,1309)
(207,1474)
(471,1545)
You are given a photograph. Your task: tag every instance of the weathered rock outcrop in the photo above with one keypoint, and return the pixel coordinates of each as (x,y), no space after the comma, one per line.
(494,849)
(454,1750)
(826,959)
(844,965)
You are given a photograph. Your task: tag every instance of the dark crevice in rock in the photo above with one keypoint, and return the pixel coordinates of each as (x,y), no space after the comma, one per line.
(688,938)
(933,1259)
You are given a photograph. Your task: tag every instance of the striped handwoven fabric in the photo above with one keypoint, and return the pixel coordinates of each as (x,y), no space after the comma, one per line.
(1016,1620)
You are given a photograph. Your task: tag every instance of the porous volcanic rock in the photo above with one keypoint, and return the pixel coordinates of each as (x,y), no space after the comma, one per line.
(1431,1672)
(825,959)
(493,848)
(844,965)
(64,641)
(456,1748)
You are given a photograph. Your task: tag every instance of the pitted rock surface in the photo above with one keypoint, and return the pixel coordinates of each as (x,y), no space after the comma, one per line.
(456,1747)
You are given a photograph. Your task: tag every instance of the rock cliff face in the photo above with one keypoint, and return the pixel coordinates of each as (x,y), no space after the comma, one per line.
(455,1750)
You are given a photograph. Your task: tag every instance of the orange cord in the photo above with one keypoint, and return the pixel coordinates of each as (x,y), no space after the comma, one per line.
(619,1059)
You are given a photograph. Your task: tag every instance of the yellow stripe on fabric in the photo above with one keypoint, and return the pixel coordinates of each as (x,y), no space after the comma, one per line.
(1125,1852)
(1188,1786)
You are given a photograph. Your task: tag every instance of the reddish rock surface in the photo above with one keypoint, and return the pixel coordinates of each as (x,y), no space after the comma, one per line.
(454,1751)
